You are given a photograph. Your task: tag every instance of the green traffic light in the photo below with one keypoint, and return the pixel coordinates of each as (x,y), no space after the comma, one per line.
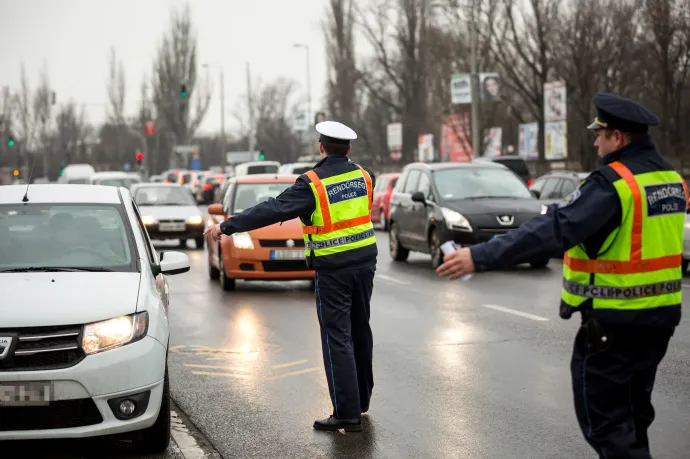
(10,143)
(183,94)
(261,157)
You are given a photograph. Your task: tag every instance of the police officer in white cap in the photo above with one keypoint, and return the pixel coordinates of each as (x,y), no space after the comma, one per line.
(333,201)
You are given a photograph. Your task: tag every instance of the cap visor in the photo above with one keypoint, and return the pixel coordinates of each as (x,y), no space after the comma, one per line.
(594,126)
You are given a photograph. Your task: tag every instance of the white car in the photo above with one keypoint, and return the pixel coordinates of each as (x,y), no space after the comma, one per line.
(114,179)
(84,330)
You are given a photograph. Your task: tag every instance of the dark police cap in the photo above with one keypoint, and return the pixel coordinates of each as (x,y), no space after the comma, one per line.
(618,113)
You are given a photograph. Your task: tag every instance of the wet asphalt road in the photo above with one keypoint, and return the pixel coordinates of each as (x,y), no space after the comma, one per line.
(476,369)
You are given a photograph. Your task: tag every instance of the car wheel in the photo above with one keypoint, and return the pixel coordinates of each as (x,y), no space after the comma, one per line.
(155,439)
(539,264)
(183,244)
(397,251)
(685,264)
(382,220)
(226,283)
(435,248)
(199,241)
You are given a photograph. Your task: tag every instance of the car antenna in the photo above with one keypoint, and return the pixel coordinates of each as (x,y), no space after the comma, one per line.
(25,199)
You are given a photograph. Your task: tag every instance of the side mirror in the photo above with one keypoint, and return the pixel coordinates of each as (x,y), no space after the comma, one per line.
(174,263)
(418,196)
(536,193)
(216,209)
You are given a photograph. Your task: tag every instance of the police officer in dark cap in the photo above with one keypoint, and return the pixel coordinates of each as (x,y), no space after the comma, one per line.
(622,231)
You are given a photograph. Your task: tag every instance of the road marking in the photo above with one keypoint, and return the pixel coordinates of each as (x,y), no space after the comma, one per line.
(391,279)
(219,367)
(291,364)
(515,312)
(293,373)
(686,286)
(229,375)
(188,446)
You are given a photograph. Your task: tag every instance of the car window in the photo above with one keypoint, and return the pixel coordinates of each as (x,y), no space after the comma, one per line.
(475,182)
(150,251)
(78,181)
(425,186)
(538,184)
(125,182)
(393,182)
(381,184)
(250,194)
(65,236)
(163,196)
(550,190)
(411,182)
(227,197)
(568,186)
(262,169)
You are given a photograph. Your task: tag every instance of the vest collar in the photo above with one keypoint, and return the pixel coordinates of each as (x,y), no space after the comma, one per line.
(333,160)
(638,147)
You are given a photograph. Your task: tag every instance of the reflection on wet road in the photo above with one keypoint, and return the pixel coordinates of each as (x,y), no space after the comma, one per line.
(476,369)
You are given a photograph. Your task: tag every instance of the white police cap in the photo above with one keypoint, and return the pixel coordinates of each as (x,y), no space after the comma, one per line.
(335,132)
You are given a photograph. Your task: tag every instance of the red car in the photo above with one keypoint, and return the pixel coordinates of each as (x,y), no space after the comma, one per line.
(382,197)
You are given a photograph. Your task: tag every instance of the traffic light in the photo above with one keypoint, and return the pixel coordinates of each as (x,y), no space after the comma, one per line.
(140,157)
(261,155)
(10,141)
(183,91)
(16,172)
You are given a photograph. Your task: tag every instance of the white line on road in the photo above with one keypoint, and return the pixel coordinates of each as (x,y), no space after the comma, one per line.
(392,279)
(686,286)
(189,448)
(517,313)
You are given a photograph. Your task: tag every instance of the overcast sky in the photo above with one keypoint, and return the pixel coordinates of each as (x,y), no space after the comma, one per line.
(72,37)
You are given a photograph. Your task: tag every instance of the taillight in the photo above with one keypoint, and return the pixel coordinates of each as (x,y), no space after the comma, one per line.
(196,183)
(529,182)
(208,186)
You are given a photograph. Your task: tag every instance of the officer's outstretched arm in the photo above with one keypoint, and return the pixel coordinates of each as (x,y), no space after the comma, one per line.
(295,201)
(594,208)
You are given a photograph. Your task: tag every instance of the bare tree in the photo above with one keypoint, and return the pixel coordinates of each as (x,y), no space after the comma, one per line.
(7,112)
(176,67)
(71,132)
(342,76)
(116,89)
(42,106)
(24,117)
(273,107)
(523,47)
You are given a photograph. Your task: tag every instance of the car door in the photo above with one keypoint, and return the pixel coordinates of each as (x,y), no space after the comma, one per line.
(407,222)
(568,186)
(160,282)
(550,192)
(419,213)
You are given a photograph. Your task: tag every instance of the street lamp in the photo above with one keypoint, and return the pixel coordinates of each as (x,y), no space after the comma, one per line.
(306,48)
(223,159)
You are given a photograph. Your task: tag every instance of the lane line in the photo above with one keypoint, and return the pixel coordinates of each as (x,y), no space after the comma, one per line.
(515,312)
(229,375)
(285,365)
(293,373)
(391,279)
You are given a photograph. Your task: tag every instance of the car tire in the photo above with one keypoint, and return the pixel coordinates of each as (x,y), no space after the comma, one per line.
(684,265)
(226,283)
(199,241)
(435,248)
(156,439)
(383,224)
(539,264)
(397,251)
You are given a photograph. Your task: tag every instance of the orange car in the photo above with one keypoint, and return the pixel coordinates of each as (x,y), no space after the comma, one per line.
(274,252)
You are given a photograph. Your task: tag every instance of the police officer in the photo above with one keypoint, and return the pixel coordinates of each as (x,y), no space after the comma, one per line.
(333,201)
(623,233)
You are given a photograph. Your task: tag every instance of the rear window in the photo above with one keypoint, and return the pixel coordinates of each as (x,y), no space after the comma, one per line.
(65,236)
(78,181)
(262,169)
(163,196)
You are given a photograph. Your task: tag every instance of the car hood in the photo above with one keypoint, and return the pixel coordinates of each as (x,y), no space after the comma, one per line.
(170,212)
(470,207)
(46,299)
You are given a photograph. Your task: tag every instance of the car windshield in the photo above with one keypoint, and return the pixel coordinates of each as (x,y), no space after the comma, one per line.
(78,181)
(45,237)
(479,183)
(262,169)
(163,196)
(250,194)
(126,182)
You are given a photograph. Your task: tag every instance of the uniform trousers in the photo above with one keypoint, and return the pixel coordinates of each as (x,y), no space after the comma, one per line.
(613,379)
(343,307)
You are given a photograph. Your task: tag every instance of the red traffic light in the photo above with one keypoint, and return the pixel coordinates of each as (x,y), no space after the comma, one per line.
(140,156)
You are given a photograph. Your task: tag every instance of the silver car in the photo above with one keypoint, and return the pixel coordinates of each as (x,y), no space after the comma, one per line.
(169,211)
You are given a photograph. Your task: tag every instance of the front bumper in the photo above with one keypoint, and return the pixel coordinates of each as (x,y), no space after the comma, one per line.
(82,392)
(260,265)
(190,232)
(465,238)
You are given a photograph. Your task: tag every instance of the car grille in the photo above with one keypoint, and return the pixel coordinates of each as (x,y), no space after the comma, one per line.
(62,414)
(43,348)
(170,221)
(281,242)
(284,265)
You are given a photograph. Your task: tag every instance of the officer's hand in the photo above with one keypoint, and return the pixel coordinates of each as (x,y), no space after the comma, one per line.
(214,231)
(456,264)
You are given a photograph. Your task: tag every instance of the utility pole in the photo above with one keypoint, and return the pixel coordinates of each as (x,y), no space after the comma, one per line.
(474,78)
(250,107)
(224,156)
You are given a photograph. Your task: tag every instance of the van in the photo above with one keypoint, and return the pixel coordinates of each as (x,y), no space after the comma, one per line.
(257,167)
(514,163)
(296,168)
(77,174)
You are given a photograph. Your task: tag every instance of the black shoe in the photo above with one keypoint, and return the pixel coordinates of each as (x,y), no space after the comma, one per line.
(332,424)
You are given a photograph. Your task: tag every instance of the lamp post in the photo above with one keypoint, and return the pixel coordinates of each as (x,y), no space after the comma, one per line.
(306,48)
(223,159)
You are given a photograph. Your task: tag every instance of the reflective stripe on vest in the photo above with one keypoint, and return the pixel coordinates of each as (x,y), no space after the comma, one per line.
(342,218)
(638,266)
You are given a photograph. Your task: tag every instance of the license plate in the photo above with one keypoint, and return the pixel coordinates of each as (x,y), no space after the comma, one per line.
(171,227)
(26,394)
(287,255)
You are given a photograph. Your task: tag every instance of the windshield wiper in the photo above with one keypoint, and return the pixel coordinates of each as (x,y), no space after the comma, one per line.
(53,269)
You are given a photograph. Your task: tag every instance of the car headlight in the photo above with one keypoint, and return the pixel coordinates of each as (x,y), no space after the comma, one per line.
(455,220)
(116,332)
(195,220)
(242,241)
(544,209)
(148,220)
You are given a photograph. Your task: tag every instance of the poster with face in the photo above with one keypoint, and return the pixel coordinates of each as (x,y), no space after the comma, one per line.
(490,86)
